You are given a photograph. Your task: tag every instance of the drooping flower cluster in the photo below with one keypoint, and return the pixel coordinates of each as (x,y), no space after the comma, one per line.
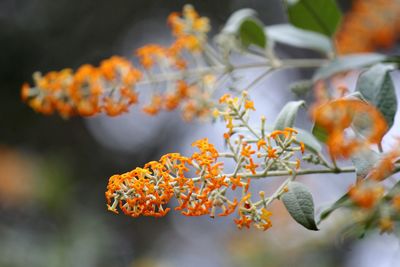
(146,191)
(369,25)
(337,116)
(110,87)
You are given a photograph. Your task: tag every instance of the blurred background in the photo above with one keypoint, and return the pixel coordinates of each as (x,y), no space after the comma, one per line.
(54,172)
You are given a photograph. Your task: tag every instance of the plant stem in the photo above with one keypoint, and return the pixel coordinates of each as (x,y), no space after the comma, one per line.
(220,69)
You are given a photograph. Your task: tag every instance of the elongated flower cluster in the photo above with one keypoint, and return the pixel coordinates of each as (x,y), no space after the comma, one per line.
(369,25)
(110,87)
(146,191)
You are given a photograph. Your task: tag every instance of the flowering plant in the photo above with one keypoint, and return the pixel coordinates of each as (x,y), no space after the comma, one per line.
(192,74)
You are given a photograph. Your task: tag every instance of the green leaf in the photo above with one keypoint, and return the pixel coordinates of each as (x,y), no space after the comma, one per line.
(346,63)
(298,201)
(308,140)
(321,16)
(376,86)
(242,29)
(235,20)
(341,202)
(251,32)
(320,133)
(364,160)
(290,35)
(287,116)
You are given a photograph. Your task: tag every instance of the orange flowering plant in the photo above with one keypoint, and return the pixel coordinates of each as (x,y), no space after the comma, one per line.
(193,71)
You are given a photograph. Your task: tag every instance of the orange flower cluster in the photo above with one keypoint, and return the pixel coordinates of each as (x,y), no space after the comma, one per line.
(249,213)
(368,26)
(194,99)
(108,88)
(385,166)
(336,116)
(190,31)
(275,149)
(378,208)
(145,191)
(366,194)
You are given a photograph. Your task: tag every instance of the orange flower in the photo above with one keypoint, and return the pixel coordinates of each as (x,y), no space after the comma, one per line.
(261,143)
(247,151)
(251,166)
(249,105)
(271,153)
(155,106)
(385,166)
(149,54)
(224,98)
(366,195)
(336,116)
(368,26)
(265,217)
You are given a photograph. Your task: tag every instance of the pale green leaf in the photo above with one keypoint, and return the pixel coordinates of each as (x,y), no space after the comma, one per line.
(346,63)
(287,116)
(300,205)
(308,140)
(376,86)
(364,161)
(290,35)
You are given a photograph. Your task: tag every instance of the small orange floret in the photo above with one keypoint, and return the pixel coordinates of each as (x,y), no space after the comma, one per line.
(271,152)
(249,105)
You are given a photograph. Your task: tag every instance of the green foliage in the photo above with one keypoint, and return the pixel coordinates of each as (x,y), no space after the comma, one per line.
(346,63)
(251,32)
(376,86)
(287,116)
(242,29)
(320,133)
(290,35)
(321,16)
(299,202)
(235,20)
